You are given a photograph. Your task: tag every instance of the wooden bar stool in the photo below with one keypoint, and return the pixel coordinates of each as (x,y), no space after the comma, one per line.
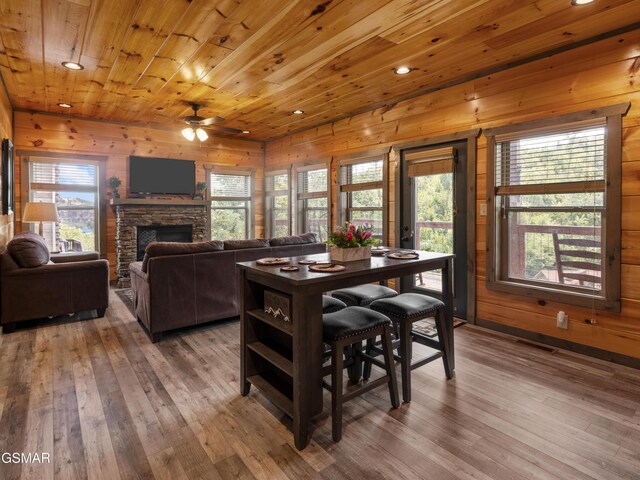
(404,310)
(363,295)
(346,327)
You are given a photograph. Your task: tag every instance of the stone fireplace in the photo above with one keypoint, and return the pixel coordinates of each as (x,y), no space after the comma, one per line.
(140,221)
(161,233)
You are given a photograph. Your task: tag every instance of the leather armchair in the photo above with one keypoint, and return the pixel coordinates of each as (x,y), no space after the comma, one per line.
(69,283)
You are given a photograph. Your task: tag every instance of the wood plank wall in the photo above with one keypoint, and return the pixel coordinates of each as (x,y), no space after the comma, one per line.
(603,73)
(6,131)
(38,132)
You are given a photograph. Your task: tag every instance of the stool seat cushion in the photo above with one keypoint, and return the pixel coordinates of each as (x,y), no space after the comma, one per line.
(363,295)
(330,304)
(407,306)
(349,322)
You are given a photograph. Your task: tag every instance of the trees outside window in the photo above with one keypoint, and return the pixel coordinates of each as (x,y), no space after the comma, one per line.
(553,225)
(362,192)
(73,187)
(313,200)
(277,209)
(231,205)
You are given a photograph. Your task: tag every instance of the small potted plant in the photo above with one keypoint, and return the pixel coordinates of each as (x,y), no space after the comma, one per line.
(351,242)
(114,183)
(201,187)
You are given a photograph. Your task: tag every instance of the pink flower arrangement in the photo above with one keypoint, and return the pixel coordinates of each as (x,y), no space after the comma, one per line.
(352,236)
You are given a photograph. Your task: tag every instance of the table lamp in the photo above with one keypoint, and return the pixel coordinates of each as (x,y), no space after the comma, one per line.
(38,212)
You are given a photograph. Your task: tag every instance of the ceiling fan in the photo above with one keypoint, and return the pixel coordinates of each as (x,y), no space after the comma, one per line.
(197,124)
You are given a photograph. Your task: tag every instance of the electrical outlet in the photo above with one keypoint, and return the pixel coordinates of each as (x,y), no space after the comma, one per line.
(562,320)
(483,209)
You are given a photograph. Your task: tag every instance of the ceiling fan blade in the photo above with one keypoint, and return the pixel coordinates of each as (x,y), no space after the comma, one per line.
(211,120)
(220,128)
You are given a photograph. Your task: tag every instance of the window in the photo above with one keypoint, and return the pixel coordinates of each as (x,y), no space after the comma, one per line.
(362,193)
(553,226)
(231,204)
(313,200)
(277,218)
(73,187)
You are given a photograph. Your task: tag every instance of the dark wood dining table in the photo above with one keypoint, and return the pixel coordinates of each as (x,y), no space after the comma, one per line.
(282,356)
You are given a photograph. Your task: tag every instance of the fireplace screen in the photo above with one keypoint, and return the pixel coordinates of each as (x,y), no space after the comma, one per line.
(162,233)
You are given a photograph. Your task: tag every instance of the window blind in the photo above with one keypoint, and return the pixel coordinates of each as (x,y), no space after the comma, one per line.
(230,185)
(277,184)
(430,162)
(48,174)
(359,173)
(568,161)
(312,181)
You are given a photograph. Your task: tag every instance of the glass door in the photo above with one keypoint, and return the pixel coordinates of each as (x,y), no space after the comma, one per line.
(433,215)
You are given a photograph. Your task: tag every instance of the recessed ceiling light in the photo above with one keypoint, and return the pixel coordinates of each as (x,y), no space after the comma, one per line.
(577,3)
(402,70)
(246,131)
(298,112)
(72,66)
(65,105)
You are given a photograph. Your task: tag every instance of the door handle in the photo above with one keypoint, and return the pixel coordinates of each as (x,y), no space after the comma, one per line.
(407,237)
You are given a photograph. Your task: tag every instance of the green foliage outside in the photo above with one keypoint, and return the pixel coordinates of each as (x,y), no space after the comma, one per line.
(69,232)
(567,157)
(229,223)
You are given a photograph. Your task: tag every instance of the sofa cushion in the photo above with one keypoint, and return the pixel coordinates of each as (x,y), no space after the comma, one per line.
(160,249)
(294,240)
(242,244)
(29,250)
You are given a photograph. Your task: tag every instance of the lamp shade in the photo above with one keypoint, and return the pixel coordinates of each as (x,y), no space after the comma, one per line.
(40,212)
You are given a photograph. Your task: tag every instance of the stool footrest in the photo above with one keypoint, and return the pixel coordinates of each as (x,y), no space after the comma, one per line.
(365,388)
(426,360)
(426,341)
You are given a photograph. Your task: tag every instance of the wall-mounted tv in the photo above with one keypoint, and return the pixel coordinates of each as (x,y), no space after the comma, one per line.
(161,176)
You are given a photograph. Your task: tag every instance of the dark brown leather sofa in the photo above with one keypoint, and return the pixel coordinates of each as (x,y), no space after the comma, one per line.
(35,284)
(179,285)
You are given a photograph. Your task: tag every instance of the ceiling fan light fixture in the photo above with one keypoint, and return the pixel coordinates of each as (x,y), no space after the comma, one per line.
(298,112)
(246,131)
(188,133)
(577,3)
(72,65)
(403,70)
(65,105)
(201,134)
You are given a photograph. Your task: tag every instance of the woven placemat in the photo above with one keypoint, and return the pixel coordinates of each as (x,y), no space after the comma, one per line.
(403,255)
(379,251)
(272,261)
(327,268)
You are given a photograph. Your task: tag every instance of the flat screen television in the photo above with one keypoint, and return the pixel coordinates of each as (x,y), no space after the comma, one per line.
(161,176)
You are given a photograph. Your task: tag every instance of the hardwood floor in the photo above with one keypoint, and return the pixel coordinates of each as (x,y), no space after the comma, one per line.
(106,403)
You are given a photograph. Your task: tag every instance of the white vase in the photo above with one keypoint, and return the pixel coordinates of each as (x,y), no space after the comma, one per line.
(350,254)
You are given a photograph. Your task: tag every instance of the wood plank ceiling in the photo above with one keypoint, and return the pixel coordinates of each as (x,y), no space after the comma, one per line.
(254,61)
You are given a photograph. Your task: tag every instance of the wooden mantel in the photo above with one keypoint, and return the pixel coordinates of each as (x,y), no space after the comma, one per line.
(156,201)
